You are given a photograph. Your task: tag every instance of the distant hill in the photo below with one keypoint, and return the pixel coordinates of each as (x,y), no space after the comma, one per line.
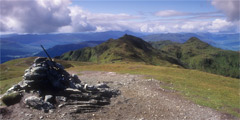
(60,49)
(161,44)
(126,48)
(223,41)
(196,54)
(12,50)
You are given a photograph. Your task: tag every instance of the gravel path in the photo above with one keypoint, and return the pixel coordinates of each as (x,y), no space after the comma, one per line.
(140,99)
(144,99)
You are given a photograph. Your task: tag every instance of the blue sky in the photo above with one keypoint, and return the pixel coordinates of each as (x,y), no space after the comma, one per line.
(154,16)
(134,7)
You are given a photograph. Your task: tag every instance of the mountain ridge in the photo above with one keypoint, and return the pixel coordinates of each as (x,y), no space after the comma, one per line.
(126,48)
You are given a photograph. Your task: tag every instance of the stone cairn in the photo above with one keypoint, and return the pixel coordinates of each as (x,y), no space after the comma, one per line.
(50,86)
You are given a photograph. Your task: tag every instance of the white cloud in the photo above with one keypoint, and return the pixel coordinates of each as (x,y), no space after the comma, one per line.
(34,16)
(83,20)
(229,7)
(217,25)
(79,21)
(170,13)
(46,16)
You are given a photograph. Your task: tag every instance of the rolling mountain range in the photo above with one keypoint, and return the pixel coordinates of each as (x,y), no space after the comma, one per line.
(23,45)
(193,54)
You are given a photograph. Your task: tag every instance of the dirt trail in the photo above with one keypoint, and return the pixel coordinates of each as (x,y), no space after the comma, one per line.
(140,99)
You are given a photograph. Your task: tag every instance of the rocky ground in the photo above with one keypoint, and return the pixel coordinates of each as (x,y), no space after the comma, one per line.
(140,99)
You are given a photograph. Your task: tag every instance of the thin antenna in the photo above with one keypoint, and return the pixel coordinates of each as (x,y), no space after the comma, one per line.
(46,53)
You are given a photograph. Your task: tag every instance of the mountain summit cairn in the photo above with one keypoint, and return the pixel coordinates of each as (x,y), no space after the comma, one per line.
(46,85)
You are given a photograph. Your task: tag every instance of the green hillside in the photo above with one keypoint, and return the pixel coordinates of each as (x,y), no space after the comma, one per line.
(196,54)
(126,48)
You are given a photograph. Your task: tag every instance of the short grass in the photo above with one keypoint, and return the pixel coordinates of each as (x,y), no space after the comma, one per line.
(215,91)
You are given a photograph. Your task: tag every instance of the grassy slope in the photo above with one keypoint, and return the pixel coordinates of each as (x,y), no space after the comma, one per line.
(218,92)
(199,55)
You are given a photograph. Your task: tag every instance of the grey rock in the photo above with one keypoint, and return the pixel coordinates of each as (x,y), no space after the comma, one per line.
(85,86)
(41,117)
(50,63)
(79,86)
(102,85)
(34,101)
(72,85)
(27,70)
(49,98)
(75,78)
(38,70)
(59,66)
(34,76)
(38,103)
(29,82)
(61,98)
(39,60)
(14,88)
(61,105)
(22,84)
(72,91)
(91,88)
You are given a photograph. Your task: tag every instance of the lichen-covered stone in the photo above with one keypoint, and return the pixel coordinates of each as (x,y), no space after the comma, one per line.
(11,98)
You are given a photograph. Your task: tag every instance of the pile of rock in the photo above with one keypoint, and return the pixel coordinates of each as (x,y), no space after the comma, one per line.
(49,85)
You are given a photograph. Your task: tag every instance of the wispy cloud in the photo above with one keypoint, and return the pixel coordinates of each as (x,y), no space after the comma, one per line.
(191,15)
(170,13)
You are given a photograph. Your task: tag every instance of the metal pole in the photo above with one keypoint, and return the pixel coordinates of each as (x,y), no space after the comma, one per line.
(46,53)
